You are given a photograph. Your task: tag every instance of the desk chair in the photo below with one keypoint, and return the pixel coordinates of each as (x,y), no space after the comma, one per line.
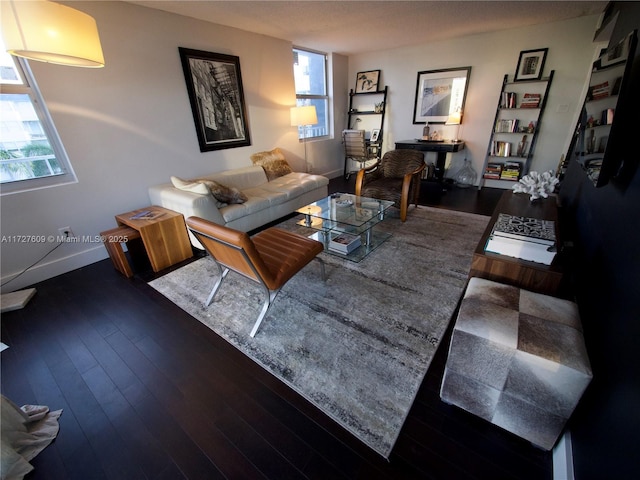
(269,258)
(356,149)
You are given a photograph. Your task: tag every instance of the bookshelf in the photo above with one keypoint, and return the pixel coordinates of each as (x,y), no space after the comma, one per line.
(515,131)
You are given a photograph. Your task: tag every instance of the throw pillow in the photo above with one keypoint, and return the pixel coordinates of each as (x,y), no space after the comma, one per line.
(202,186)
(273,163)
(222,193)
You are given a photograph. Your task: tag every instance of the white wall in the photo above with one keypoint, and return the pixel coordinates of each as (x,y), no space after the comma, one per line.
(129,125)
(490,56)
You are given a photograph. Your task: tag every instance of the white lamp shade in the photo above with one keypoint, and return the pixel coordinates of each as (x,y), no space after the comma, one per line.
(305,115)
(455,118)
(50,32)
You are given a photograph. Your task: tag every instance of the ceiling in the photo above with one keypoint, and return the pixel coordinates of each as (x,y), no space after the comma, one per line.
(351,27)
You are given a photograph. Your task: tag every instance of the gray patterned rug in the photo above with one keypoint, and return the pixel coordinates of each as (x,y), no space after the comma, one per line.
(358,345)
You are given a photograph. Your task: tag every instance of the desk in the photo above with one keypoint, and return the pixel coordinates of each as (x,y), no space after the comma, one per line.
(536,277)
(441,148)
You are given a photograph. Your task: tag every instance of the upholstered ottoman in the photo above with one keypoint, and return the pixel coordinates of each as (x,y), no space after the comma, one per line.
(517,359)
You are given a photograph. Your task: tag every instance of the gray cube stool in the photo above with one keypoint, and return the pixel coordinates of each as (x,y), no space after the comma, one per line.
(517,359)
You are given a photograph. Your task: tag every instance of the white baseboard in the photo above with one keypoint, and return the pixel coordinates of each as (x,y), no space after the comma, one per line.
(563,459)
(53,268)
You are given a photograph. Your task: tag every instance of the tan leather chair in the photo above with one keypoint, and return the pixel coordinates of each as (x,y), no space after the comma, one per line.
(269,258)
(395,178)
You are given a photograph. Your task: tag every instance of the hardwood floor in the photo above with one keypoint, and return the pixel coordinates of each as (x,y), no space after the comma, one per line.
(150,393)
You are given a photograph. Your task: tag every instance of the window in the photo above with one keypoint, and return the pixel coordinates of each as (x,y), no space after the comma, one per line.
(31,153)
(310,74)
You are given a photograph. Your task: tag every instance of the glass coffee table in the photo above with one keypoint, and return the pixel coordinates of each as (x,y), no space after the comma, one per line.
(346,213)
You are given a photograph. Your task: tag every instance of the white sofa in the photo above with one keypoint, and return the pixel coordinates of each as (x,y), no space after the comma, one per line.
(266,200)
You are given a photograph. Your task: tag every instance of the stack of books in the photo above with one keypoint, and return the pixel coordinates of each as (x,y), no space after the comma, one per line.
(493,170)
(344,243)
(506,125)
(508,100)
(526,238)
(511,171)
(530,100)
(600,90)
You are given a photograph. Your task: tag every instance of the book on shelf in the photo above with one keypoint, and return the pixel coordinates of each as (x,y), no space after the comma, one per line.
(511,171)
(530,100)
(344,243)
(601,90)
(500,149)
(508,100)
(506,126)
(493,170)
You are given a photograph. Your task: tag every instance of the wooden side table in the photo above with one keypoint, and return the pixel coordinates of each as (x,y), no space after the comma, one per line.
(532,276)
(164,237)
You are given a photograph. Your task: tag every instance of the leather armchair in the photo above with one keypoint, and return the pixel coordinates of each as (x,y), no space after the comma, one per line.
(395,178)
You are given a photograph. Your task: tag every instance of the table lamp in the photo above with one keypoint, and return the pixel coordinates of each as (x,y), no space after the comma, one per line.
(304,116)
(455,118)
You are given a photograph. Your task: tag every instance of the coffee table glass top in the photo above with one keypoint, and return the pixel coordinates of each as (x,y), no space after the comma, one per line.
(345,212)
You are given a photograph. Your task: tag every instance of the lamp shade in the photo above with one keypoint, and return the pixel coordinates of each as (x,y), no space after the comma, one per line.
(50,32)
(305,115)
(455,118)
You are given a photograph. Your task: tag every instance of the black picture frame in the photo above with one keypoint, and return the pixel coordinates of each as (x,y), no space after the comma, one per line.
(530,65)
(367,82)
(440,93)
(214,85)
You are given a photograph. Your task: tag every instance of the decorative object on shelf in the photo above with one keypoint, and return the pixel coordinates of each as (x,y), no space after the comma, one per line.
(440,93)
(220,119)
(531,64)
(378,107)
(50,32)
(367,81)
(375,135)
(304,116)
(467,176)
(425,132)
(538,185)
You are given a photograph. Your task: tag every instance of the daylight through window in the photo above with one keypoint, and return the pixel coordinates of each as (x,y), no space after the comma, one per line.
(31,154)
(310,73)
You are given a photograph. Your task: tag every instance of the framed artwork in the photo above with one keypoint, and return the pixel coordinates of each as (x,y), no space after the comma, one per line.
(375,134)
(440,93)
(217,102)
(367,81)
(530,64)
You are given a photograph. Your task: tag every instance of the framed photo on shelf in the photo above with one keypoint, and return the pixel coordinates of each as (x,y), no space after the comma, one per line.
(214,85)
(375,134)
(530,64)
(367,81)
(440,93)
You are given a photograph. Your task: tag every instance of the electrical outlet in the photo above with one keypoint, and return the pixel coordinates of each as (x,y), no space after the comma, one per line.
(65,232)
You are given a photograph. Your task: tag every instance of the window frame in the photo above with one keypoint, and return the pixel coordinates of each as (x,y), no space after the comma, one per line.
(29,87)
(302,99)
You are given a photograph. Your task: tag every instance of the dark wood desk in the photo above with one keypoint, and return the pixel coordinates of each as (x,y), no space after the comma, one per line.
(532,276)
(441,148)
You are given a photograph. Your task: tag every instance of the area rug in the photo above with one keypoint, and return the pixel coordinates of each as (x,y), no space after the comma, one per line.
(359,344)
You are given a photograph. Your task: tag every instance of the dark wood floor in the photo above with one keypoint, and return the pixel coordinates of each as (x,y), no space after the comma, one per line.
(149,392)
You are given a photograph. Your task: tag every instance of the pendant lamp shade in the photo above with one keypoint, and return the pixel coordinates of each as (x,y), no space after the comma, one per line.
(50,32)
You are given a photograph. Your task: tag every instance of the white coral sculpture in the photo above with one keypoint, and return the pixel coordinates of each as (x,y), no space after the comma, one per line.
(537,185)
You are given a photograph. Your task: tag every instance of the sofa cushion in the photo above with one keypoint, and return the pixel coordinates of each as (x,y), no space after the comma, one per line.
(204,186)
(273,163)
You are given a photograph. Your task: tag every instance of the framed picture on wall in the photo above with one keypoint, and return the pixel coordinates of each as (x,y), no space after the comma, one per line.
(367,81)
(214,85)
(530,64)
(440,93)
